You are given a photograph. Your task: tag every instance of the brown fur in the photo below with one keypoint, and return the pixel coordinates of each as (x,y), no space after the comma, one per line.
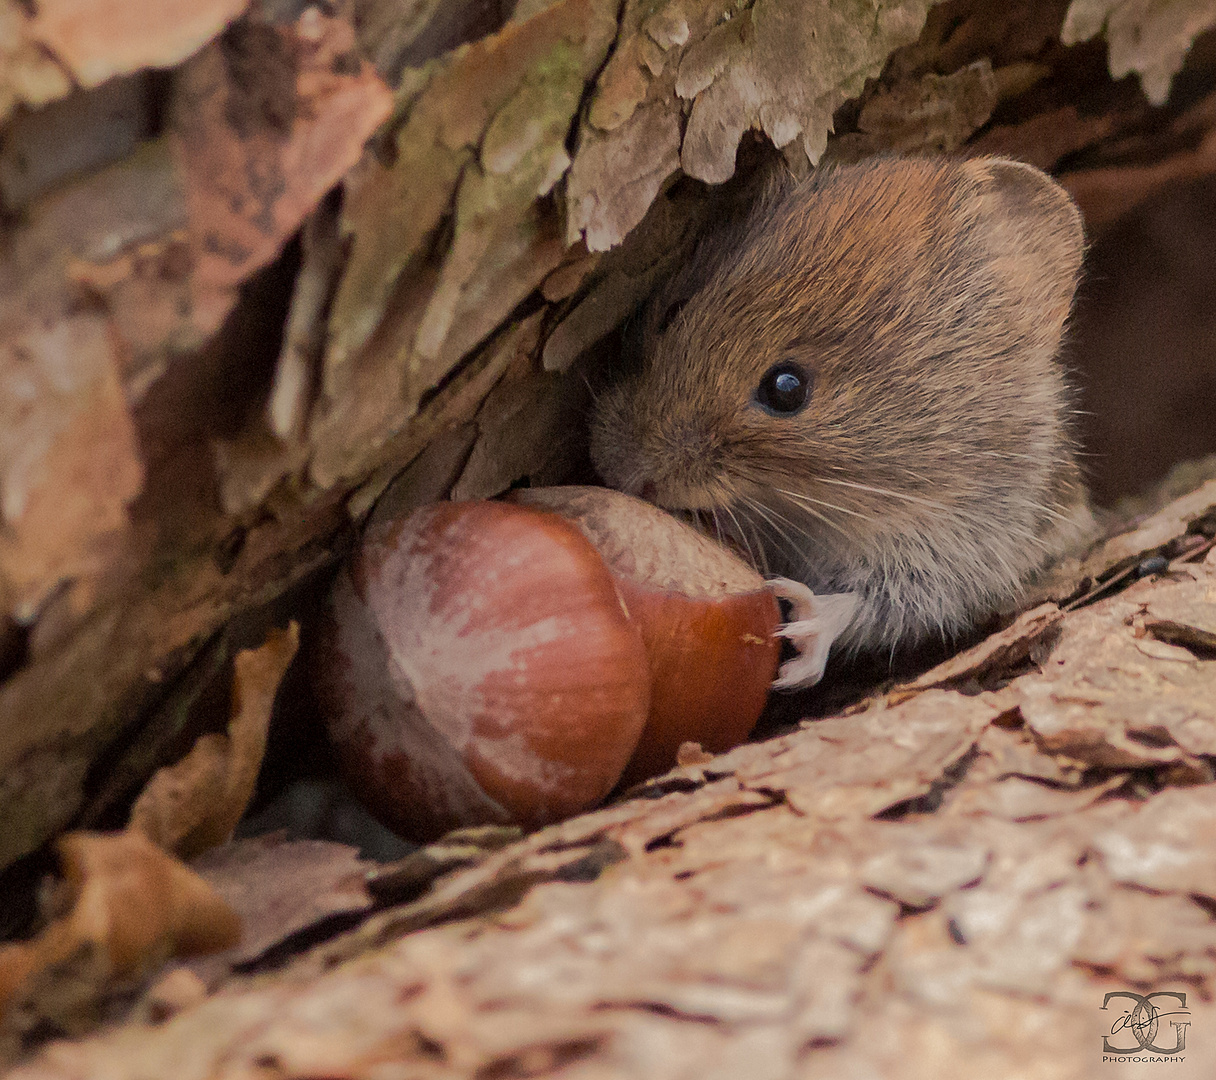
(932,472)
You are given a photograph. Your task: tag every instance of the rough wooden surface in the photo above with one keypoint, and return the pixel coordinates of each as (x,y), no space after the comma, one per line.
(945,883)
(276,258)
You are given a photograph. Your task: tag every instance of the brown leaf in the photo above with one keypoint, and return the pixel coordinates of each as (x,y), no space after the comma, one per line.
(195,804)
(127,907)
(278,887)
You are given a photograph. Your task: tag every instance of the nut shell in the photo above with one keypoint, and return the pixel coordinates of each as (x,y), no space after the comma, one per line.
(707,618)
(477,665)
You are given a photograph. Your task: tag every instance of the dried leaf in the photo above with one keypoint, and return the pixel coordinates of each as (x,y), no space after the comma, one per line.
(195,804)
(278,887)
(128,907)
(1148,37)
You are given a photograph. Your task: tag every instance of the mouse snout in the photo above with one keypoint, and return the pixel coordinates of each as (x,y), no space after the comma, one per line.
(675,465)
(665,454)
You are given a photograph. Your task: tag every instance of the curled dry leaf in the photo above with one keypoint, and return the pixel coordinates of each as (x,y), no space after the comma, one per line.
(127,907)
(196,804)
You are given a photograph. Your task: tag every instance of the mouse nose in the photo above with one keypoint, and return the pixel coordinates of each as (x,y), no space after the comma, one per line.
(649,491)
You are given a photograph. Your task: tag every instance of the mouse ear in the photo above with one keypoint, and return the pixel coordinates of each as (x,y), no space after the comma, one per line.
(1034,229)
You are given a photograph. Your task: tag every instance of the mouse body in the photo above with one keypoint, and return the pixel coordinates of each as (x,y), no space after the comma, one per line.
(859,384)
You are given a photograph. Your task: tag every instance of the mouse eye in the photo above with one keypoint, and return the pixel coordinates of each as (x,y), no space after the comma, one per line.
(784,389)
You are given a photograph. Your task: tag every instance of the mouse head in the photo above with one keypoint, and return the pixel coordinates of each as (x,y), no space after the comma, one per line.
(873,344)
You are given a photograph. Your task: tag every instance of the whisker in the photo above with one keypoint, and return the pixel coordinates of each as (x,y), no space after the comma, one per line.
(806,508)
(807,500)
(774,521)
(751,555)
(884,491)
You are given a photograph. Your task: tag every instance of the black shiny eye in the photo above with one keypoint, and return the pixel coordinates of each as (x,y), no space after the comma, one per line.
(785,388)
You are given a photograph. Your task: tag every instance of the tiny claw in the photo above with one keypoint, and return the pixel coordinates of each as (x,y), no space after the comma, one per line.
(818,621)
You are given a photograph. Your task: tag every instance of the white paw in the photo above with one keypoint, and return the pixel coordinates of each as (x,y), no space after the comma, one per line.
(817,622)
